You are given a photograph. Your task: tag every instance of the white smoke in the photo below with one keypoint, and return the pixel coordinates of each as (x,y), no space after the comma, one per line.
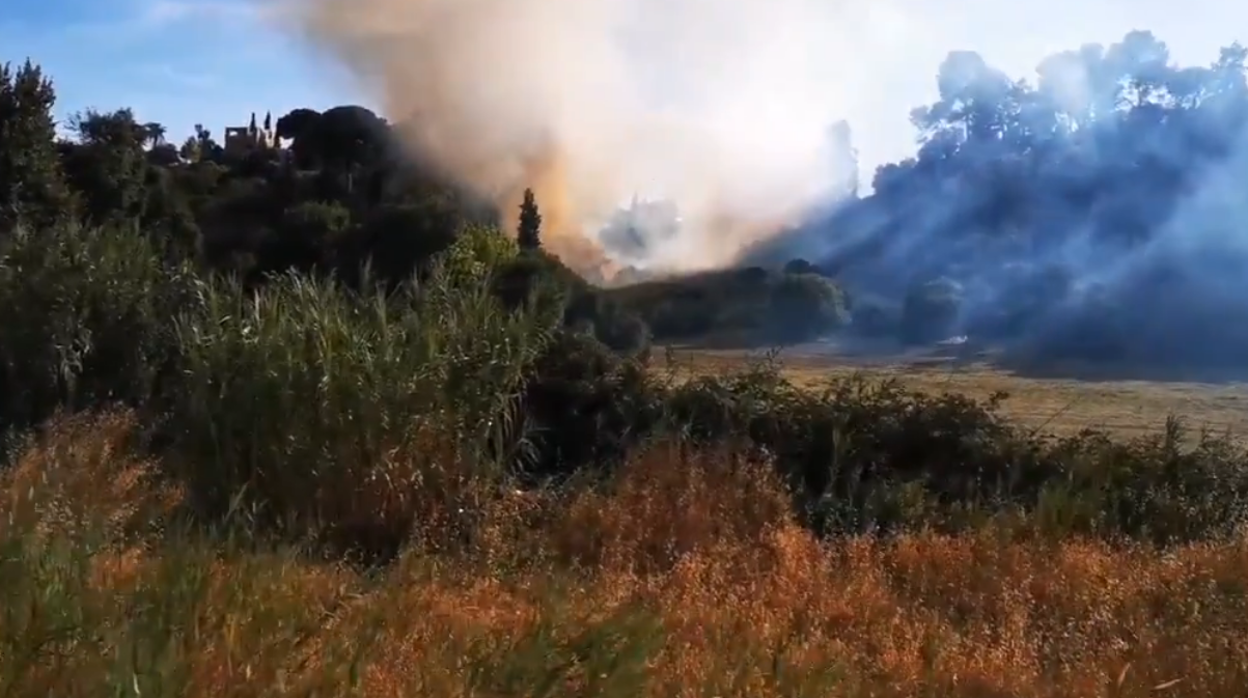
(722,106)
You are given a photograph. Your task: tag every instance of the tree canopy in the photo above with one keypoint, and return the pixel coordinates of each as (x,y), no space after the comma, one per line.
(1114,170)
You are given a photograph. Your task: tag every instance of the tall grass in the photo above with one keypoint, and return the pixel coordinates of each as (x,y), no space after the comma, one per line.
(319,407)
(684,575)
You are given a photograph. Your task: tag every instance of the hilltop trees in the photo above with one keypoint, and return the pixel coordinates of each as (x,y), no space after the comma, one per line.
(1113,166)
(32,184)
(107,164)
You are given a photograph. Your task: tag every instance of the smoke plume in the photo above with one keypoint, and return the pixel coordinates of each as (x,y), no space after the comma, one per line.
(722,106)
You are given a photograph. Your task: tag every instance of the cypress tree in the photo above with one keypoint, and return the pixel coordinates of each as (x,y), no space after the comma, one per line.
(529,232)
(33,189)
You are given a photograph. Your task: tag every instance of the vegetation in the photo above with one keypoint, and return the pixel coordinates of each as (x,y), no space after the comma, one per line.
(305,420)
(1089,210)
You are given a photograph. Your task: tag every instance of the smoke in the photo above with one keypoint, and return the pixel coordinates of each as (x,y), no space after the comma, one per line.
(722,106)
(1095,213)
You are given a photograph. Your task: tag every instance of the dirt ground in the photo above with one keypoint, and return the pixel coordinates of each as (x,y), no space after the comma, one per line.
(1061,404)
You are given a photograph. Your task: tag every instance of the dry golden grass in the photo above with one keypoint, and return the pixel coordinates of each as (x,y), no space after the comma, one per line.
(687,578)
(1126,408)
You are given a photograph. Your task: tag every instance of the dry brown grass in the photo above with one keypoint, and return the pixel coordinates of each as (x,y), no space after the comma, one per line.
(1126,408)
(688,577)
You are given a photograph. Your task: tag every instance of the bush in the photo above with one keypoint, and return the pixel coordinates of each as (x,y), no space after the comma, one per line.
(84,320)
(584,307)
(307,231)
(397,241)
(477,253)
(867,457)
(586,407)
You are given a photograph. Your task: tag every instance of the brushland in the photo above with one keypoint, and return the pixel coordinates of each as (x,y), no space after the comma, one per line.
(1065,403)
(308,489)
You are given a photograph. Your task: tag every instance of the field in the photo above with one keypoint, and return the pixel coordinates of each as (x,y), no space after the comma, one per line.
(688,579)
(1061,405)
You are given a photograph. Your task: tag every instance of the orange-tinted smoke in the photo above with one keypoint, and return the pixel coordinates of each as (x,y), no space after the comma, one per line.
(588,102)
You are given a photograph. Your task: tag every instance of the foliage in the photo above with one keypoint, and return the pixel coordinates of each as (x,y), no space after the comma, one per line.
(1120,187)
(478,253)
(685,572)
(32,185)
(328,408)
(529,230)
(381,371)
(806,306)
(84,320)
(431,353)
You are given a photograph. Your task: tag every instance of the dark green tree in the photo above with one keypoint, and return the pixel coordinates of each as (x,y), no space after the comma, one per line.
(306,233)
(154,134)
(299,122)
(32,183)
(529,231)
(108,166)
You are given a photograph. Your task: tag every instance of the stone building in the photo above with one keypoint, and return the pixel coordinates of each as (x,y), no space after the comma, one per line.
(242,140)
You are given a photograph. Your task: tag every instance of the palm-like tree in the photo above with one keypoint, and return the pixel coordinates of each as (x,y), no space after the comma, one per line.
(153,134)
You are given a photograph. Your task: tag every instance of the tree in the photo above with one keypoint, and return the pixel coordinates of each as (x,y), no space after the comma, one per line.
(299,122)
(308,230)
(205,148)
(804,306)
(190,149)
(32,183)
(167,219)
(154,134)
(163,155)
(348,137)
(529,231)
(108,165)
(800,266)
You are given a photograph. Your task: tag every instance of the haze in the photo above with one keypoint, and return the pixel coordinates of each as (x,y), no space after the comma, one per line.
(722,105)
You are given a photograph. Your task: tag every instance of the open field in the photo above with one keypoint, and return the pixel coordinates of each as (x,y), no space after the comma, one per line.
(1061,405)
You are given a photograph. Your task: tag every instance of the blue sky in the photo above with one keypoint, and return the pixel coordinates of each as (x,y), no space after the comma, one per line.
(179,62)
(182,62)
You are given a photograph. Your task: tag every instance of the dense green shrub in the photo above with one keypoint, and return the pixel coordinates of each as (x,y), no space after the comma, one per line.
(84,320)
(872,456)
(586,406)
(307,231)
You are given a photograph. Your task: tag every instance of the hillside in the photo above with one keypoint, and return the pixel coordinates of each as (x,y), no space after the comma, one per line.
(293,415)
(740,307)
